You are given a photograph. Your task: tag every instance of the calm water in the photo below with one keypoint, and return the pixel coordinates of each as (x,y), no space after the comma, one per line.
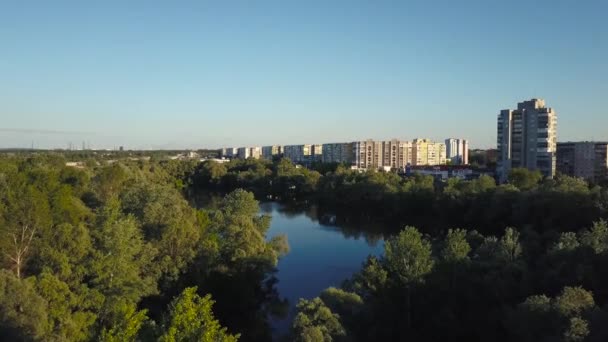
(321,255)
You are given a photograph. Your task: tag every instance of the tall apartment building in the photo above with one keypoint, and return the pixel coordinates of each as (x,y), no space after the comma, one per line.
(427,152)
(243,152)
(229,152)
(588,160)
(527,137)
(298,153)
(396,154)
(270,152)
(389,154)
(255,152)
(367,154)
(457,151)
(338,153)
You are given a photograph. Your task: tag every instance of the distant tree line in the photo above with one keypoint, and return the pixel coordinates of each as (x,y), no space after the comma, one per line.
(551,205)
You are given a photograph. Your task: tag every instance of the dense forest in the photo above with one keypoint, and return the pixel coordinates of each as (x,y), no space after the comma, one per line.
(137,249)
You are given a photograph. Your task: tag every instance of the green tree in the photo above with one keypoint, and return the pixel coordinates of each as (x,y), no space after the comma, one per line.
(125,325)
(241,233)
(509,248)
(25,215)
(563,318)
(23,313)
(191,319)
(524,179)
(596,237)
(409,257)
(64,249)
(122,267)
(70,316)
(455,246)
(316,322)
(168,223)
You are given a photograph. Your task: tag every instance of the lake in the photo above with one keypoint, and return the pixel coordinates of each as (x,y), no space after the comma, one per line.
(321,254)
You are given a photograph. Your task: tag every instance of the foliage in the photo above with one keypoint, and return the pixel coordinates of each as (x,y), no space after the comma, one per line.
(316,322)
(191,319)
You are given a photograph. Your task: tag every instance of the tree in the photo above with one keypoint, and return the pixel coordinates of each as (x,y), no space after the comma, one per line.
(109,180)
(563,318)
(191,319)
(455,246)
(70,315)
(168,223)
(125,325)
(316,322)
(241,233)
(340,301)
(25,215)
(408,256)
(596,238)
(23,313)
(524,179)
(371,280)
(122,267)
(567,242)
(65,250)
(509,248)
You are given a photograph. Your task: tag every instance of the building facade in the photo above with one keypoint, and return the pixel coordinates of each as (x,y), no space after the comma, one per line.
(457,151)
(298,153)
(396,154)
(229,152)
(338,153)
(367,154)
(527,137)
(271,152)
(584,159)
(243,152)
(255,152)
(316,154)
(427,152)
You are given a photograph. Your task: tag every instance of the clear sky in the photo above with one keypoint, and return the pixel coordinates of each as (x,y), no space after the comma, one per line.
(169,74)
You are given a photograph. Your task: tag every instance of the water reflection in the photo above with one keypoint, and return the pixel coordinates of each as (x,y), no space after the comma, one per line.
(326,249)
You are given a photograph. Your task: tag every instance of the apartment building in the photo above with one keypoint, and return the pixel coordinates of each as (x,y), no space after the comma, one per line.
(396,154)
(583,159)
(338,153)
(229,152)
(255,152)
(271,152)
(243,152)
(367,154)
(457,151)
(527,137)
(298,153)
(427,152)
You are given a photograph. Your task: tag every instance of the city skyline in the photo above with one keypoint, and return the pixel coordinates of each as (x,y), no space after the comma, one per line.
(202,75)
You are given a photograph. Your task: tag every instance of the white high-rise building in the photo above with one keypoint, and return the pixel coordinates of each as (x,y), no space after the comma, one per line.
(457,151)
(527,138)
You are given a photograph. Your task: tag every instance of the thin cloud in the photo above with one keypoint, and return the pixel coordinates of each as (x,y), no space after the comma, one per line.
(39,131)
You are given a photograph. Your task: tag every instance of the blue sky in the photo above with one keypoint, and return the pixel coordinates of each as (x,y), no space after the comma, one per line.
(171,74)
